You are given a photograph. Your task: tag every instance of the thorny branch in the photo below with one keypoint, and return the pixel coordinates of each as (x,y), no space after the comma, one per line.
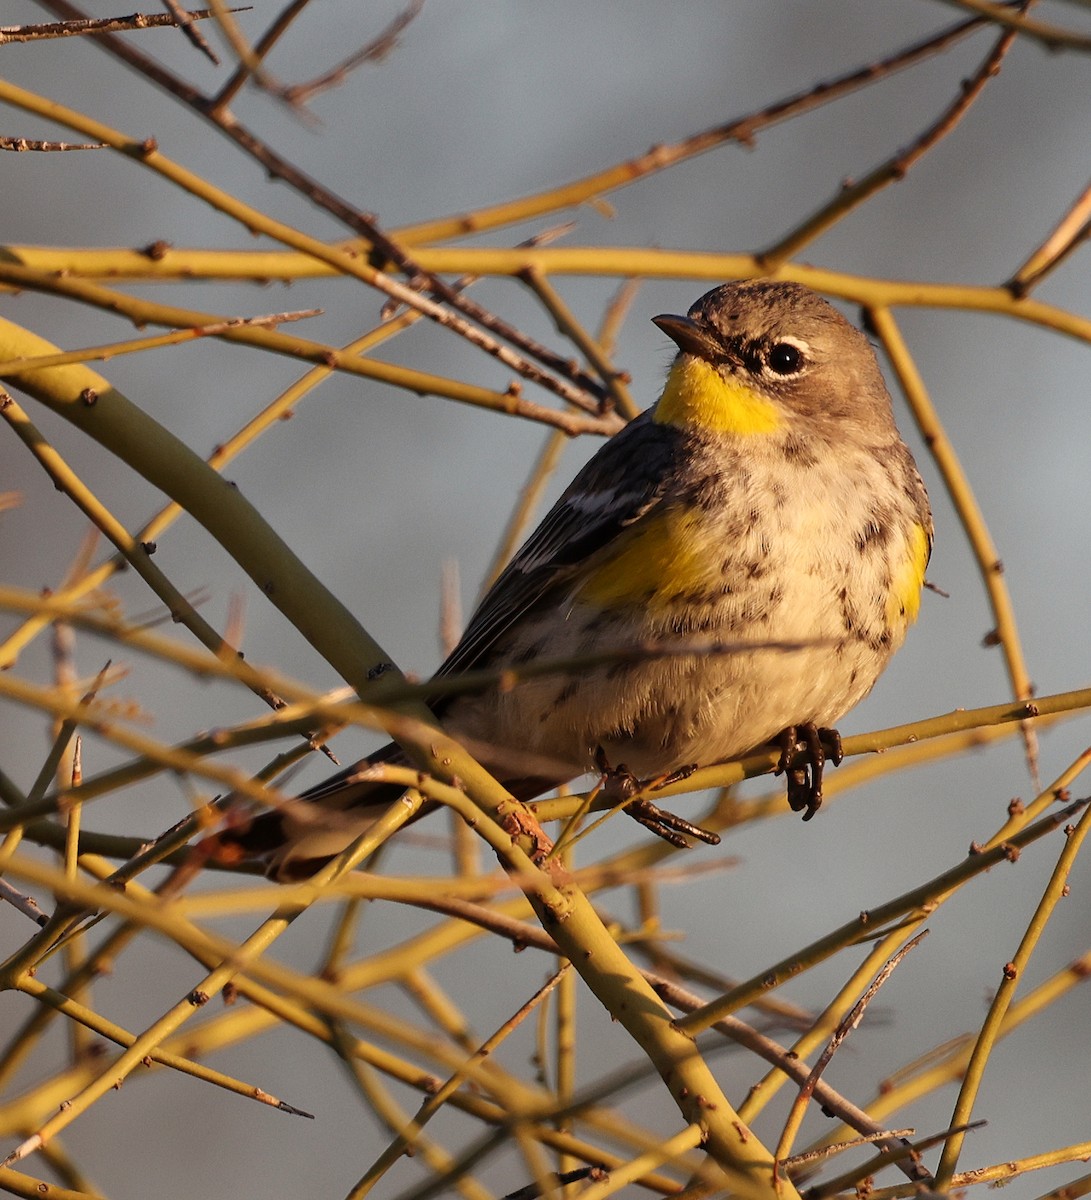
(84,26)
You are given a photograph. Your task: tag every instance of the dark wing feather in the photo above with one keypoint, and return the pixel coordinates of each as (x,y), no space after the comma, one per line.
(622,482)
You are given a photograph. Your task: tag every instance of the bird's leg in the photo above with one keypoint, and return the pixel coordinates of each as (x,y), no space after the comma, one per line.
(619,783)
(805,781)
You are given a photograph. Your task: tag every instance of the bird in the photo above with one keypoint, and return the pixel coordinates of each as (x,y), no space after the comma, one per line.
(766,498)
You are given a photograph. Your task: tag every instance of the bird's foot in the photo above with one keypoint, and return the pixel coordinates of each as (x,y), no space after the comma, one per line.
(805,780)
(619,783)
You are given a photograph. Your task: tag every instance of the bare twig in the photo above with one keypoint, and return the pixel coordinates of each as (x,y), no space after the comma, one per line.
(741,131)
(613,380)
(137,554)
(144,311)
(844,1028)
(495,336)
(14,366)
(1073,228)
(1053,37)
(83,26)
(895,168)
(20,143)
(265,43)
(989,563)
(403,1143)
(375,51)
(189,28)
(898,1149)
(25,904)
(1013,972)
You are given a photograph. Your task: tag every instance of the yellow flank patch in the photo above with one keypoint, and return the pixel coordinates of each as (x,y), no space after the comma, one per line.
(904,601)
(697,396)
(656,564)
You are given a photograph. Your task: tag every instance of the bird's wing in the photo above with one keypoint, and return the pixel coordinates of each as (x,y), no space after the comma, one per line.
(622,483)
(615,489)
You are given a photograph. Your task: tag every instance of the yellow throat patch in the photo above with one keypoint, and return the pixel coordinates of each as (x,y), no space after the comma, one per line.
(697,396)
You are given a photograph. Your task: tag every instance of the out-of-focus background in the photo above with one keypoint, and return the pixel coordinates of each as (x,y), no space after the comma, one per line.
(377,490)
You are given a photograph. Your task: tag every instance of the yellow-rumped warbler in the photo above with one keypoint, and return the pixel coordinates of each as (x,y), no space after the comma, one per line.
(766,497)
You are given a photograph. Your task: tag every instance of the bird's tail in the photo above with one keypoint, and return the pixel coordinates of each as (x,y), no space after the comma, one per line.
(298,838)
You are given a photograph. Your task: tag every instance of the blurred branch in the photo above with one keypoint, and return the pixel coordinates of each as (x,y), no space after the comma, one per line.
(27,905)
(1053,37)
(1073,228)
(30,1188)
(189,29)
(374,51)
(235,38)
(273,33)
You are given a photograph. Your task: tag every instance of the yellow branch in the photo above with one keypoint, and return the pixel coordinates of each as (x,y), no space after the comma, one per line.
(624,262)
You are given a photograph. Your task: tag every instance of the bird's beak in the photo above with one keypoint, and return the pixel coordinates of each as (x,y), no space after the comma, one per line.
(690,336)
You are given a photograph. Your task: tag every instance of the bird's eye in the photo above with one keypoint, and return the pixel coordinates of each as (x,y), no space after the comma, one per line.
(784,358)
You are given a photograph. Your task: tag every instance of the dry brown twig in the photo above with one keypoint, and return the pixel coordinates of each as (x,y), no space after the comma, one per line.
(1072,229)
(188,27)
(374,51)
(21,143)
(1061,242)
(450,304)
(90,26)
(447,307)
(896,167)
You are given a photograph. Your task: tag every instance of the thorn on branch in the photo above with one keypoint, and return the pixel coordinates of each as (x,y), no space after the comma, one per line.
(19,143)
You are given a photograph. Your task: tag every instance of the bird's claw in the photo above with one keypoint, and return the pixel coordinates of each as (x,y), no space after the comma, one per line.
(805,780)
(619,782)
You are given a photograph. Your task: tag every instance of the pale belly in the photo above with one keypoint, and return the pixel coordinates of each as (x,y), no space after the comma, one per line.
(730,696)
(799,570)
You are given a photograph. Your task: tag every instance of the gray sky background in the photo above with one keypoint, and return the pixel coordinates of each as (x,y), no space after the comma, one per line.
(484,101)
